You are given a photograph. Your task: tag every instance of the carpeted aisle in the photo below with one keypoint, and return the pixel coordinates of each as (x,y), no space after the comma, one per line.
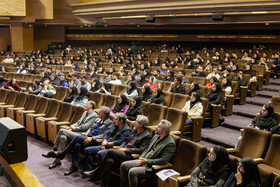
(54,177)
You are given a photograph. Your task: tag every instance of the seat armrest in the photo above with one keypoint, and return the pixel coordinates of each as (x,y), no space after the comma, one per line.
(215,105)
(183,178)
(38,115)
(116,147)
(135,155)
(259,160)
(176,133)
(231,150)
(64,127)
(99,140)
(18,108)
(60,123)
(241,130)
(158,167)
(244,87)
(50,119)
(28,111)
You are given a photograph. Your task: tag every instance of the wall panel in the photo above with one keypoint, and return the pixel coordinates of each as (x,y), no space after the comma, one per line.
(4,37)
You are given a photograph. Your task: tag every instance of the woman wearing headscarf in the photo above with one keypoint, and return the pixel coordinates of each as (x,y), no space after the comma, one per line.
(266,119)
(33,70)
(132,90)
(141,81)
(82,98)
(146,93)
(2,81)
(105,88)
(226,85)
(129,79)
(12,85)
(193,107)
(247,174)
(214,95)
(212,80)
(135,108)
(73,92)
(121,105)
(152,83)
(158,97)
(194,88)
(213,170)
(170,76)
(21,69)
(251,72)
(95,85)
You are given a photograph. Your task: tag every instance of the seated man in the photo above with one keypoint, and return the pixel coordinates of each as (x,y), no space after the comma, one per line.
(159,152)
(84,83)
(100,126)
(48,90)
(177,87)
(84,123)
(136,143)
(36,88)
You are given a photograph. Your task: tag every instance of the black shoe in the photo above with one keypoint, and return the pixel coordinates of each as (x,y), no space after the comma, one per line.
(70,171)
(60,155)
(50,154)
(55,163)
(94,174)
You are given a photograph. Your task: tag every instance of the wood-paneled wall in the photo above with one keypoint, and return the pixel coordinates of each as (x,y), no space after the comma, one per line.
(4,37)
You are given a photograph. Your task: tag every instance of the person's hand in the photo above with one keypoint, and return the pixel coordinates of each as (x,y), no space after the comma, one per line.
(30,88)
(172,84)
(88,140)
(103,147)
(104,143)
(238,177)
(46,87)
(12,88)
(122,149)
(141,162)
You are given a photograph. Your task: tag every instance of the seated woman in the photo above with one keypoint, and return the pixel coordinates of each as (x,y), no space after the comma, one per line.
(193,107)
(132,90)
(73,92)
(157,97)
(247,174)
(251,72)
(214,95)
(211,82)
(194,88)
(141,81)
(95,85)
(226,85)
(82,98)
(12,85)
(129,79)
(135,109)
(105,88)
(152,83)
(21,69)
(213,170)
(146,93)
(121,105)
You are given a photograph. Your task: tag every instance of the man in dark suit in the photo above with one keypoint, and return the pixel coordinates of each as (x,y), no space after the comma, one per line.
(136,143)
(159,152)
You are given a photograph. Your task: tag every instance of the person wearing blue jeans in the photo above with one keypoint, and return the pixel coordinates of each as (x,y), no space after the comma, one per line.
(115,137)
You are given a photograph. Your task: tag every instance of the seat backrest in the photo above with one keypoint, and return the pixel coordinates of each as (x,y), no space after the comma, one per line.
(31,102)
(260,68)
(146,107)
(3,95)
(20,76)
(254,143)
(200,80)
(120,89)
(77,114)
(177,117)
(179,100)
(204,102)
(11,98)
(21,99)
(53,108)
(248,78)
(168,96)
(28,77)
(23,84)
(188,156)
(61,93)
(113,88)
(98,98)
(65,112)
(234,86)
(166,85)
(272,157)
(110,100)
(275,102)
(156,114)
(42,105)
(203,91)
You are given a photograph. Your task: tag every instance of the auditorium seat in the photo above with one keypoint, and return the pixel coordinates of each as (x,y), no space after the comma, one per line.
(252,87)
(28,77)
(203,91)
(19,76)
(61,93)
(54,127)
(179,100)
(98,98)
(156,114)
(241,95)
(113,88)
(178,118)
(167,85)
(275,102)
(146,107)
(50,115)
(187,157)
(3,95)
(254,144)
(213,117)
(18,99)
(276,181)
(261,75)
(160,84)
(228,102)
(29,105)
(110,100)
(120,89)
(168,96)
(200,80)
(64,116)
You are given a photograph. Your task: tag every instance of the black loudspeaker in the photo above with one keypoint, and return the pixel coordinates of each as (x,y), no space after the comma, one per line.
(13,141)
(218,17)
(150,19)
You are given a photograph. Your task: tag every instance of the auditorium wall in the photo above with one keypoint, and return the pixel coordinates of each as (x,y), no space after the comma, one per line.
(4,37)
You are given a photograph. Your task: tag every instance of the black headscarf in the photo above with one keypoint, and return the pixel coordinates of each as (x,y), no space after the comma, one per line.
(136,110)
(2,81)
(250,71)
(70,97)
(83,94)
(265,122)
(23,68)
(251,172)
(119,106)
(195,89)
(11,82)
(133,87)
(142,82)
(213,95)
(159,99)
(147,94)
(97,85)
(197,99)
(224,86)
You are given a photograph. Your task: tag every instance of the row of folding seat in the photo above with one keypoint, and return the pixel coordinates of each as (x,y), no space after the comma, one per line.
(20,76)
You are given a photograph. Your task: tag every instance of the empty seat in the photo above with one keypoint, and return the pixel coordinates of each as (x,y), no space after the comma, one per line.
(167,85)
(98,98)
(110,100)
(241,95)
(11,101)
(28,77)
(156,114)
(168,96)
(29,105)
(54,126)
(61,93)
(254,144)
(178,119)
(146,107)
(51,115)
(275,102)
(3,95)
(120,89)
(179,100)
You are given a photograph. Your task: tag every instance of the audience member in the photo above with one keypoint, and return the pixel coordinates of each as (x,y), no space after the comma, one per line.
(132,90)
(157,97)
(72,94)
(82,98)
(135,108)
(62,81)
(12,85)
(177,87)
(36,88)
(84,83)
(121,105)
(146,93)
(193,107)
(194,88)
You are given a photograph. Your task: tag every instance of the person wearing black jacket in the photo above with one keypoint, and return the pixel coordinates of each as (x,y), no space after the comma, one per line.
(135,108)
(141,81)
(36,88)
(158,97)
(33,70)
(146,93)
(136,143)
(214,95)
(177,87)
(241,80)
(194,88)
(170,76)
(73,92)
